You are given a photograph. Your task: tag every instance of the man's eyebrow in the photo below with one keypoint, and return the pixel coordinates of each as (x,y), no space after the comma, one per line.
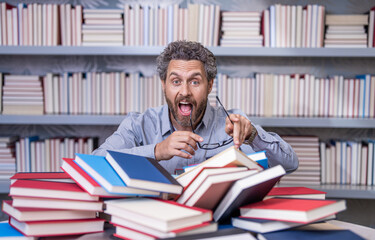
(191,76)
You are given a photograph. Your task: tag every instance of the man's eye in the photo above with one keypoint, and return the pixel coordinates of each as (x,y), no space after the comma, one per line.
(195,82)
(176,82)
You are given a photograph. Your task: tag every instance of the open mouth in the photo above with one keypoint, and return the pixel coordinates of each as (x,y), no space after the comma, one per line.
(185,108)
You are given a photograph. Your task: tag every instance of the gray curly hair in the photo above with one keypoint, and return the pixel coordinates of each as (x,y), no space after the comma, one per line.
(186,50)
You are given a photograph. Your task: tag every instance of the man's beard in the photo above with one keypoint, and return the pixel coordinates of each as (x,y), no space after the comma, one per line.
(185,120)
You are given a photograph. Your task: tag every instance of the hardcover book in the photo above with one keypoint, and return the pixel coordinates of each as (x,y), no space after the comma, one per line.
(229,157)
(143,173)
(23,214)
(159,214)
(83,179)
(44,189)
(102,172)
(293,210)
(247,190)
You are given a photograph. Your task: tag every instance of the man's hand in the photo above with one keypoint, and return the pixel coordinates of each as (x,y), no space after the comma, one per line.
(240,130)
(175,143)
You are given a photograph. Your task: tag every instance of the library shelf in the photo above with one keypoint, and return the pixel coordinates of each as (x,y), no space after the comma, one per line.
(342,191)
(217,51)
(116,120)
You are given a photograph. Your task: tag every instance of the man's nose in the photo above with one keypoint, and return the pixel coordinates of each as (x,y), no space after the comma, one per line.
(185,89)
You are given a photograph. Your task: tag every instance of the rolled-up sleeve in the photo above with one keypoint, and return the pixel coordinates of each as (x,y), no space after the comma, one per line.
(277,150)
(124,139)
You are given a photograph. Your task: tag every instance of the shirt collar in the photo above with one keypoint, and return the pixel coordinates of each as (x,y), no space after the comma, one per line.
(166,124)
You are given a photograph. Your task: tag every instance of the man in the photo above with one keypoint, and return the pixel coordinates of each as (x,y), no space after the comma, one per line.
(188,130)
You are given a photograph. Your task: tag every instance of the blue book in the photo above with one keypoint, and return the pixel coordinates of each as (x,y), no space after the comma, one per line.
(102,172)
(141,172)
(9,232)
(262,225)
(311,235)
(260,157)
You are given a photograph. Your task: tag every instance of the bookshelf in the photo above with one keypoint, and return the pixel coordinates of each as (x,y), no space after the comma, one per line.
(279,60)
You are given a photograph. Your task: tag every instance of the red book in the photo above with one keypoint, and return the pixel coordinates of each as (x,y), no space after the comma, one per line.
(50,203)
(58,228)
(42,176)
(295,192)
(42,214)
(44,189)
(292,210)
(84,180)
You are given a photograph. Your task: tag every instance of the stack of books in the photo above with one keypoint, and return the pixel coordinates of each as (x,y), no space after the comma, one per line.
(225,182)
(152,218)
(50,204)
(7,156)
(23,94)
(286,208)
(103,27)
(241,29)
(307,150)
(346,31)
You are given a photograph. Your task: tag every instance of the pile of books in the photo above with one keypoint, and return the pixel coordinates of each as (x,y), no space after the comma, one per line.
(7,157)
(50,204)
(346,31)
(23,94)
(241,29)
(153,218)
(307,150)
(103,27)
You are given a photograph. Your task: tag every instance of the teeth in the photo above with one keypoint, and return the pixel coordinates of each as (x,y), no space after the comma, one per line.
(184,103)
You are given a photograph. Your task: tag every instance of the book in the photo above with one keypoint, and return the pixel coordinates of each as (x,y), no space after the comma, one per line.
(44,189)
(247,190)
(229,157)
(224,232)
(49,203)
(214,188)
(293,210)
(264,225)
(143,173)
(7,232)
(128,229)
(83,179)
(163,215)
(202,176)
(23,214)
(102,172)
(321,231)
(295,192)
(260,157)
(60,227)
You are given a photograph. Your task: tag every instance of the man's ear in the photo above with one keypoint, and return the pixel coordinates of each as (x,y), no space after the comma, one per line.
(210,85)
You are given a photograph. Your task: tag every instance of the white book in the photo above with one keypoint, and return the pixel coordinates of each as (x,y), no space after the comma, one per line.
(272,26)
(370,164)
(293,26)
(156,213)
(371,26)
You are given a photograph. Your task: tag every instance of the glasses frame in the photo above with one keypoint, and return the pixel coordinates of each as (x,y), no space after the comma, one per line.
(212,146)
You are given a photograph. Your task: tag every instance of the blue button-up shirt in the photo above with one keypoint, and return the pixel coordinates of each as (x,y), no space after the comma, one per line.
(138,134)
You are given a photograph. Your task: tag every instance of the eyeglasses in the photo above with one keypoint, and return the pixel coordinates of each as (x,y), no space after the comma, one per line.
(211,146)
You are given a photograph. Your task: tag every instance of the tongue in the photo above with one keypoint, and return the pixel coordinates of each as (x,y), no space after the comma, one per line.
(185,109)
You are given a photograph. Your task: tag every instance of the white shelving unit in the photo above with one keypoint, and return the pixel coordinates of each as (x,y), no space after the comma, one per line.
(217,51)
